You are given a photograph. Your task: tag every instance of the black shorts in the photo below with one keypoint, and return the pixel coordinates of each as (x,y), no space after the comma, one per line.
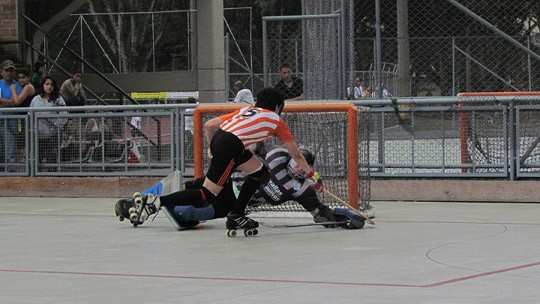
(228,152)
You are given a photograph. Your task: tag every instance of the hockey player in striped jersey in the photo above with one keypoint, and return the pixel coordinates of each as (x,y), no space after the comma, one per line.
(230,138)
(285,185)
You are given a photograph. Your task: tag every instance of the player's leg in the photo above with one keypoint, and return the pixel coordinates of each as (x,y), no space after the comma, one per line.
(257,175)
(186,214)
(320,212)
(170,183)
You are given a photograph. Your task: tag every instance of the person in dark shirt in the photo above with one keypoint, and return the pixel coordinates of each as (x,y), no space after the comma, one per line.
(290,86)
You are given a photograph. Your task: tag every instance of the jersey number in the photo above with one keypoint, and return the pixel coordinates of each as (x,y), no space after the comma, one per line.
(249,113)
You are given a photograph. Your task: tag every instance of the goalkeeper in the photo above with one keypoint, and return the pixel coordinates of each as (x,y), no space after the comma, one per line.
(284,185)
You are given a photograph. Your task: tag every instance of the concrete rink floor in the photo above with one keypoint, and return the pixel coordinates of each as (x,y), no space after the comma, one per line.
(75,251)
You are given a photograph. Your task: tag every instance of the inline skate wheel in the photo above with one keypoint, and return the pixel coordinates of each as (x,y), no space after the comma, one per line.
(250,232)
(231,233)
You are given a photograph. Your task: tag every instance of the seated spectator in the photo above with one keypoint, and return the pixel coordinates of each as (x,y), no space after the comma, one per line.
(73,91)
(244,96)
(237,86)
(357,91)
(24,98)
(48,129)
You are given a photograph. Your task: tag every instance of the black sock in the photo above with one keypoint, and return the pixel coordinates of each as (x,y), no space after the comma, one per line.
(249,188)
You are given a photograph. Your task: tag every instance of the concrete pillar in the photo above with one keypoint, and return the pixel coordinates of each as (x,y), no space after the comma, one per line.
(210,51)
(404,76)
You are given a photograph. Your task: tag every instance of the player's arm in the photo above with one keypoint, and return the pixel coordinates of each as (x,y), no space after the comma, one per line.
(302,165)
(210,128)
(285,136)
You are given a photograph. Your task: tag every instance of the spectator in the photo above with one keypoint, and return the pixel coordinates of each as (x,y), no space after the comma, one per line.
(290,86)
(237,86)
(367,93)
(244,96)
(38,72)
(27,93)
(73,91)
(48,129)
(357,91)
(8,127)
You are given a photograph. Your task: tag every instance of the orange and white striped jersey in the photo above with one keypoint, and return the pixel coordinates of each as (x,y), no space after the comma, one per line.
(252,125)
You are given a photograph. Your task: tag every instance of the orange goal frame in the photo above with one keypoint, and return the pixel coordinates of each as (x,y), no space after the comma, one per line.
(352,135)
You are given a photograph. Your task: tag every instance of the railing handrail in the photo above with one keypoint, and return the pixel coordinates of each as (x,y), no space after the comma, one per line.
(102,108)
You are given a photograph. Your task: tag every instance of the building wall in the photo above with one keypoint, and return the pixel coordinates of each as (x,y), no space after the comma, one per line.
(9,31)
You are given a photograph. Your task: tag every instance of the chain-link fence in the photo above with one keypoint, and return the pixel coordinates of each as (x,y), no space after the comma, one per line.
(443,47)
(528,133)
(435,137)
(126,42)
(436,141)
(14,147)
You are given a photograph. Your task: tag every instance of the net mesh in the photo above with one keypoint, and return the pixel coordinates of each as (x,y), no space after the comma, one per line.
(325,134)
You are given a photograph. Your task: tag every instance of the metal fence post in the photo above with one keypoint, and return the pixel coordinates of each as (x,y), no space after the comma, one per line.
(265,53)
(512,144)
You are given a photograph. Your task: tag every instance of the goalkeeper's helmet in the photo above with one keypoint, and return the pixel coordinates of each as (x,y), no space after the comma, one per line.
(292,166)
(270,99)
(308,155)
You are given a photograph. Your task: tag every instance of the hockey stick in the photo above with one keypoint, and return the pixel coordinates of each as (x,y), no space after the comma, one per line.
(344,203)
(304,225)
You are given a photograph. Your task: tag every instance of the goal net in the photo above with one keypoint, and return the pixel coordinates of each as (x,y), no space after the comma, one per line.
(487,137)
(337,133)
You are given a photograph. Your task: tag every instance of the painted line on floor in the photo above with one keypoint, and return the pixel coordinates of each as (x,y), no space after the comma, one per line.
(280,281)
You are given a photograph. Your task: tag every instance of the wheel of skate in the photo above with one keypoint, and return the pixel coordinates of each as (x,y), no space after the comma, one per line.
(121,218)
(138,201)
(133,217)
(231,233)
(132,210)
(250,232)
(137,194)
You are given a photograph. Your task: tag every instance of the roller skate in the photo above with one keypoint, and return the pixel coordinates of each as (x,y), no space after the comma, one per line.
(143,207)
(121,208)
(239,221)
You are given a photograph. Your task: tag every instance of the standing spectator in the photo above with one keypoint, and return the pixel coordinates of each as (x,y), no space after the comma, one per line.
(73,91)
(8,127)
(48,129)
(357,91)
(290,86)
(37,74)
